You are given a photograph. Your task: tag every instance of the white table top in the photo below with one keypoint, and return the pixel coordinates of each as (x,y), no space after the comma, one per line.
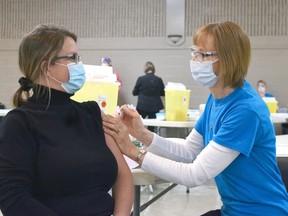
(279,117)
(140,177)
(275,117)
(3,112)
(282,145)
(282,139)
(163,123)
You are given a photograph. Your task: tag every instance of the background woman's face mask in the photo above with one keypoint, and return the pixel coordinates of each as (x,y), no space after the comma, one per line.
(261,89)
(202,72)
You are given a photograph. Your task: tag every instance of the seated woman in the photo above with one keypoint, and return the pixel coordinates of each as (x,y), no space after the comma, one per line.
(54,156)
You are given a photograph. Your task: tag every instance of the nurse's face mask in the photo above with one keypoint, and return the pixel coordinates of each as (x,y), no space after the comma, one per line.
(201,67)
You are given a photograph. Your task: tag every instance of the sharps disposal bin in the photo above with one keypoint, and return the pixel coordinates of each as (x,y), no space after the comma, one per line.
(176,104)
(271,103)
(104,93)
(101,86)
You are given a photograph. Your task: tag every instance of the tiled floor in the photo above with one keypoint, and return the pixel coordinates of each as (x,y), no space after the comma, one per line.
(179,203)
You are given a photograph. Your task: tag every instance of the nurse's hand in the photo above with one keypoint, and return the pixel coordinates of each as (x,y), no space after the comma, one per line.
(131,118)
(114,127)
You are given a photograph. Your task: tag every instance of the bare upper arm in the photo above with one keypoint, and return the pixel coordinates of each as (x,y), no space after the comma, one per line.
(116,152)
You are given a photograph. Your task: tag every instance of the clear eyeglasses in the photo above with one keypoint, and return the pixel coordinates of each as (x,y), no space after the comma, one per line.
(74,57)
(202,56)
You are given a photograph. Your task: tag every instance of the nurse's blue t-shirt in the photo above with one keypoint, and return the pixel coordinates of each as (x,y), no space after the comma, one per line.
(252,183)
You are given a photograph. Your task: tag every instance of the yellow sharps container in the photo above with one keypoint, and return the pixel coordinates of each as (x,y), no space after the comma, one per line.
(271,103)
(176,104)
(104,93)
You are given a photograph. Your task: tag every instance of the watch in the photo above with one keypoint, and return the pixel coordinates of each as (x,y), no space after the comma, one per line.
(140,154)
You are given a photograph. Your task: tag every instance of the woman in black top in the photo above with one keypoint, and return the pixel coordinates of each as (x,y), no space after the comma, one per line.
(149,89)
(54,156)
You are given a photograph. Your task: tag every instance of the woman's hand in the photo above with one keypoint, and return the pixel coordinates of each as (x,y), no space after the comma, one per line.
(116,129)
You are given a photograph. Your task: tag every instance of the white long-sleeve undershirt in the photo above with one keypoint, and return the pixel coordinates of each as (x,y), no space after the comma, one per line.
(186,162)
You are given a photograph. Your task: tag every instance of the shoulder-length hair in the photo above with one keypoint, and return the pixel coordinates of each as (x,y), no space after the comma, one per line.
(232,45)
(149,66)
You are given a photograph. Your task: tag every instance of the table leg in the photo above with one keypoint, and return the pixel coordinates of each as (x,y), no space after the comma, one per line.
(137,208)
(158,131)
(136,205)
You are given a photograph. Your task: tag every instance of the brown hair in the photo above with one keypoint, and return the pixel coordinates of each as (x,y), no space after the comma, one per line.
(261,81)
(149,67)
(37,51)
(232,44)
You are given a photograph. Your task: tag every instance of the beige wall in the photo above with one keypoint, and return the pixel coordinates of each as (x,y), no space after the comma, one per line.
(141,37)
(269,62)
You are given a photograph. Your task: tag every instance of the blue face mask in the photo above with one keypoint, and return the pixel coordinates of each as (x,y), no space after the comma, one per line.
(76,77)
(202,72)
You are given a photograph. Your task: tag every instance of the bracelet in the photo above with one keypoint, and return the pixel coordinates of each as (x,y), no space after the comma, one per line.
(140,154)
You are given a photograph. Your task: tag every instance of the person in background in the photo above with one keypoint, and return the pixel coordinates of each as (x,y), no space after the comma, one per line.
(2,106)
(108,63)
(262,88)
(54,156)
(149,88)
(233,141)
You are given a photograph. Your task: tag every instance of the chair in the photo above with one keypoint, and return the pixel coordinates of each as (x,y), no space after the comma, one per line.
(283,167)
